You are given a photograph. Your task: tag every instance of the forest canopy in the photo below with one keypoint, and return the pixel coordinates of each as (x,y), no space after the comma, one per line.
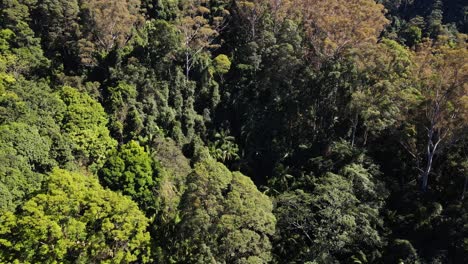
(233,131)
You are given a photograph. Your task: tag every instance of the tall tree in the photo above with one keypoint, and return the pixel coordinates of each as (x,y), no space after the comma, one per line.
(442,73)
(224,218)
(108,25)
(332,27)
(199,28)
(385,91)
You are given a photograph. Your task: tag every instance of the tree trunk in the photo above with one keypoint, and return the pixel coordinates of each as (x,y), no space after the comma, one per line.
(431,150)
(427,170)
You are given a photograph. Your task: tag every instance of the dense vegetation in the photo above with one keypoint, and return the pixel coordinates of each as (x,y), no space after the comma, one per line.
(233,131)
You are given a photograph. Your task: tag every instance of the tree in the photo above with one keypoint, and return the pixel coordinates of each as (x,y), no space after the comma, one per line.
(28,57)
(122,105)
(442,73)
(130,170)
(109,24)
(224,218)
(252,12)
(33,104)
(224,148)
(58,23)
(330,222)
(198,30)
(326,219)
(385,91)
(85,123)
(17,180)
(221,64)
(28,143)
(163,44)
(332,27)
(75,220)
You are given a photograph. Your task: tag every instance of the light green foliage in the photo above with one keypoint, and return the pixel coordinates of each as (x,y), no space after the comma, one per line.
(334,202)
(6,60)
(221,64)
(33,104)
(129,169)
(248,223)
(224,218)
(85,123)
(173,168)
(75,221)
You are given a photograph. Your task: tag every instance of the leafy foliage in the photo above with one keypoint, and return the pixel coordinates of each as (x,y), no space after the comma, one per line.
(75,219)
(348,118)
(130,170)
(85,123)
(221,211)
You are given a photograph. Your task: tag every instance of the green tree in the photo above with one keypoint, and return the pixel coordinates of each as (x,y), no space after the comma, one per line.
(224,218)
(130,170)
(326,220)
(58,23)
(385,92)
(25,155)
(327,223)
(221,64)
(28,143)
(125,118)
(224,148)
(85,124)
(34,104)
(17,179)
(16,15)
(75,221)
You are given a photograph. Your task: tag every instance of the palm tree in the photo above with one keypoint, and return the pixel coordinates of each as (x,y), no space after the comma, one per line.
(224,147)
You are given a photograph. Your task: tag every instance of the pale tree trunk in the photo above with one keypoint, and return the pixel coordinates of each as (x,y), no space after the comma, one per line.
(432,136)
(431,149)
(427,170)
